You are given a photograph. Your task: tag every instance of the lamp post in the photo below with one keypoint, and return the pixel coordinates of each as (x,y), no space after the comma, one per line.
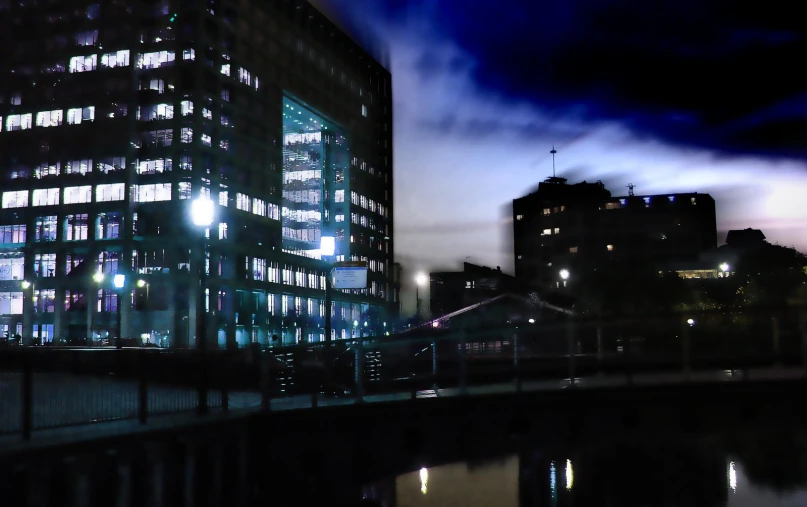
(119,281)
(420,279)
(25,284)
(202,211)
(564,276)
(327,246)
(98,278)
(724,269)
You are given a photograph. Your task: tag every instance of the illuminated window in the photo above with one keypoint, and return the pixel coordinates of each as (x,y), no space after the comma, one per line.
(15,199)
(242,202)
(88,38)
(186,135)
(49,118)
(557,230)
(547,211)
(151,193)
(10,303)
(612,205)
(76,195)
(155,59)
(189,54)
(546,232)
(19,121)
(154,166)
(223,199)
(206,139)
(222,230)
(78,167)
(109,192)
(109,226)
(115,59)
(519,217)
(155,112)
(244,76)
(80,114)
(184,189)
(363,110)
(573,249)
(46,197)
(12,234)
(12,267)
(83,63)
(45,228)
(610,248)
(76,227)
(225,69)
(339,196)
(45,170)
(259,207)
(186,108)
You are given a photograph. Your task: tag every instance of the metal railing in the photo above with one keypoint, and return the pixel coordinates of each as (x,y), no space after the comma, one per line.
(47,388)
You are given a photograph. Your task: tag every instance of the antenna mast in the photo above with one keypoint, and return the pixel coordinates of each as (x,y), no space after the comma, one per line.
(553,159)
(631,186)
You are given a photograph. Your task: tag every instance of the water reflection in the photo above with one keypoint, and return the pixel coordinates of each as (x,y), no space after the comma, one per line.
(769,471)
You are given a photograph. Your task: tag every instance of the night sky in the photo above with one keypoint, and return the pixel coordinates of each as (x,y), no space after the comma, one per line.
(670,95)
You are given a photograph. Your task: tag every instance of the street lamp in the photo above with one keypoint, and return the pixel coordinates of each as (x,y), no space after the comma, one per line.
(564,274)
(327,248)
(98,277)
(202,215)
(420,280)
(724,268)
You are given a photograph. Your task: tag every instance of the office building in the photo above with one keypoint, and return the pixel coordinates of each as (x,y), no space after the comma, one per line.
(116,114)
(564,228)
(450,291)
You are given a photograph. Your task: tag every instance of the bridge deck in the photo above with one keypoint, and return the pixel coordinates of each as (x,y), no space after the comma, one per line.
(120,418)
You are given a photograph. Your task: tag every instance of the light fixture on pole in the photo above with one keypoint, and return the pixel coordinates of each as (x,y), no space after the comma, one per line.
(327,248)
(119,281)
(724,268)
(420,280)
(202,216)
(564,274)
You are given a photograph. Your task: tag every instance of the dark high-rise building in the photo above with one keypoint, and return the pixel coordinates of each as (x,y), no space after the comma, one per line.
(116,113)
(450,291)
(566,227)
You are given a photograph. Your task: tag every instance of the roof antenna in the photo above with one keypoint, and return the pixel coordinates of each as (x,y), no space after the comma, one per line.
(631,186)
(553,159)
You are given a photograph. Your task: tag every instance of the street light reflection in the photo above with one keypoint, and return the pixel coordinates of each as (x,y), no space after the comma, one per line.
(424,479)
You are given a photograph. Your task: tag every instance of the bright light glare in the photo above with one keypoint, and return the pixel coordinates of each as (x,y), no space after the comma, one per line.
(531,321)
(327,246)
(435,324)
(733,476)
(25,284)
(355,323)
(98,277)
(202,210)
(691,322)
(724,267)
(569,474)
(141,283)
(421,279)
(118,281)
(424,480)
(564,274)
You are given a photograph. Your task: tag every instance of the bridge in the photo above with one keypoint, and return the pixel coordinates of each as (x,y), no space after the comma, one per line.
(189,426)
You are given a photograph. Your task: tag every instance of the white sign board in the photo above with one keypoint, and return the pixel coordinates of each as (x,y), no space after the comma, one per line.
(349,277)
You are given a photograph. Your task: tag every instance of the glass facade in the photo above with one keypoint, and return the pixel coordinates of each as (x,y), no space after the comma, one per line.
(315,164)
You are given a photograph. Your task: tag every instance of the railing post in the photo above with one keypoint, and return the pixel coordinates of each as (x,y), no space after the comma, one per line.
(570,345)
(27,385)
(777,343)
(359,368)
(202,408)
(143,391)
(599,348)
(516,371)
(266,381)
(686,355)
(434,361)
(463,363)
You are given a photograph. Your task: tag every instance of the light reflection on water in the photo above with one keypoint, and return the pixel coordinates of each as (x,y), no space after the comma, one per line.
(558,482)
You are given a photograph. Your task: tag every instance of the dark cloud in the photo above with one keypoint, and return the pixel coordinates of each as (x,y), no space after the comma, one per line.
(478,128)
(706,73)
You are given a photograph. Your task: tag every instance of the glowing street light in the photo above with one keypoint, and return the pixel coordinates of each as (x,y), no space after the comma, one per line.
(691,322)
(141,283)
(202,215)
(564,274)
(25,284)
(531,321)
(98,277)
(119,281)
(420,280)
(202,211)
(724,267)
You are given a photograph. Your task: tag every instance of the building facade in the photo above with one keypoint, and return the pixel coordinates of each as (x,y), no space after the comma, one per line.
(450,291)
(562,228)
(115,114)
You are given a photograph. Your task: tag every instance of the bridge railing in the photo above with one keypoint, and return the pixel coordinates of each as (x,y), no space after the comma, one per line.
(47,388)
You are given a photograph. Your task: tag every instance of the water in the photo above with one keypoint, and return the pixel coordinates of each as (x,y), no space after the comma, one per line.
(766,470)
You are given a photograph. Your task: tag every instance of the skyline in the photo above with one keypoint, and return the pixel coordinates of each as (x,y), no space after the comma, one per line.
(474,126)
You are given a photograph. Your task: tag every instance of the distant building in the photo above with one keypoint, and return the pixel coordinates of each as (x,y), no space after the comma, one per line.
(578,226)
(452,290)
(745,238)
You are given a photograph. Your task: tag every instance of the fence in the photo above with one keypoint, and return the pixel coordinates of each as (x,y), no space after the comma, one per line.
(48,387)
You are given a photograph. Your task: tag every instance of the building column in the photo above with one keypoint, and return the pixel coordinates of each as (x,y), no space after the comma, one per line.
(91,296)
(126,309)
(193,298)
(58,331)
(28,316)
